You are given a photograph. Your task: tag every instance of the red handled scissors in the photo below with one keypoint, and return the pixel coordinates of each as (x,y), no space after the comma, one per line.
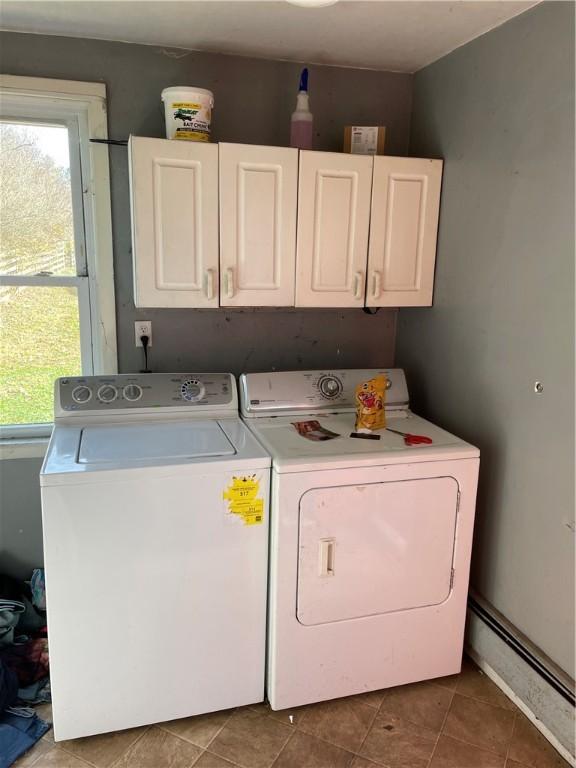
(411,439)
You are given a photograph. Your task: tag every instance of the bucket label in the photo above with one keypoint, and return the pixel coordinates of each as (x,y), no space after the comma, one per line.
(192,135)
(186,105)
(191,120)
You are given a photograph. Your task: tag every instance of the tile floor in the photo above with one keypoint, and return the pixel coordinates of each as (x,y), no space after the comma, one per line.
(463,721)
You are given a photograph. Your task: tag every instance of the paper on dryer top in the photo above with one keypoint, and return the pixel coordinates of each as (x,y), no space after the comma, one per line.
(292,453)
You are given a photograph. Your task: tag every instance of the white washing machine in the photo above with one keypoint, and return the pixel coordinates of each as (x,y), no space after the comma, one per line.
(154,509)
(370,540)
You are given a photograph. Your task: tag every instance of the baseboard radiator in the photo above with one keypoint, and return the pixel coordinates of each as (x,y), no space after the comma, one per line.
(542,691)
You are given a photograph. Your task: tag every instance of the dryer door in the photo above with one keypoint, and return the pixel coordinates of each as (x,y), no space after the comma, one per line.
(373,549)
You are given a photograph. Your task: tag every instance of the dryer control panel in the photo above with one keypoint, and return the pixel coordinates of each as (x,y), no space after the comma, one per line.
(95,394)
(270,394)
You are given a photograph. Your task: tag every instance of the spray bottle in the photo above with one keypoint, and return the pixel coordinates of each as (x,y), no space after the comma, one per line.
(301,124)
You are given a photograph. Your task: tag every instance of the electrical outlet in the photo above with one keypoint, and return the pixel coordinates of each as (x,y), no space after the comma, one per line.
(142,328)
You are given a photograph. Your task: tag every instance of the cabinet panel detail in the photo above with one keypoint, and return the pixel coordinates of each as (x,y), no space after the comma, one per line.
(404,241)
(259,226)
(336,199)
(178,227)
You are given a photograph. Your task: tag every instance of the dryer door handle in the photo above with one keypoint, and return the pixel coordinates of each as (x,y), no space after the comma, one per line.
(326,557)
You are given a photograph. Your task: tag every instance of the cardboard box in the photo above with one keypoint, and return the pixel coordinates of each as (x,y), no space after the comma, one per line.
(364,139)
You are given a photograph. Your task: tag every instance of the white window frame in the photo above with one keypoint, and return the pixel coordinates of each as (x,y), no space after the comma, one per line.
(81,107)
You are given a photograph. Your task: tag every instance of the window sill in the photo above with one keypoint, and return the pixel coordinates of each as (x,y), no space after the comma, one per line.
(28,448)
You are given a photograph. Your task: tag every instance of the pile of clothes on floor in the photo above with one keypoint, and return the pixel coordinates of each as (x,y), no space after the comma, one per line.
(24,679)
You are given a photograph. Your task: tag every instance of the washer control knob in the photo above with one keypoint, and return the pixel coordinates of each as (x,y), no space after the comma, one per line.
(107,393)
(132,392)
(192,390)
(330,386)
(81,394)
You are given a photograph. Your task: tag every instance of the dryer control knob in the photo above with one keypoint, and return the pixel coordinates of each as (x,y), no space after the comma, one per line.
(330,386)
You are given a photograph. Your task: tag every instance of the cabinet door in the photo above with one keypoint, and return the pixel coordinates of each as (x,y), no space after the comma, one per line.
(258,193)
(403,229)
(174,197)
(333,221)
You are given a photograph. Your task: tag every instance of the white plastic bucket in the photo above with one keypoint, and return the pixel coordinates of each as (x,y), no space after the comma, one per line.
(188,113)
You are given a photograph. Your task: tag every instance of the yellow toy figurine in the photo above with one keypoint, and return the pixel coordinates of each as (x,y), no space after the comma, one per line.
(370,396)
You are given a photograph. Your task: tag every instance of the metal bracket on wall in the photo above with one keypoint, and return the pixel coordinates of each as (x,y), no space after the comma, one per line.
(111,142)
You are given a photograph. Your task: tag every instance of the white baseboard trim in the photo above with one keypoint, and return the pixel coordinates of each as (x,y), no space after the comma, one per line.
(550,713)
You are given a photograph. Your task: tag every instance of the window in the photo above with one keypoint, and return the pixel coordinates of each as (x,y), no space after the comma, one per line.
(57,314)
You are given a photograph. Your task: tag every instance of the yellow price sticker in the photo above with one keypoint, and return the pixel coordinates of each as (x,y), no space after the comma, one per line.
(241,496)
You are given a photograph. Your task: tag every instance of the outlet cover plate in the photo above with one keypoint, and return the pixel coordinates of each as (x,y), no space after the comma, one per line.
(142,328)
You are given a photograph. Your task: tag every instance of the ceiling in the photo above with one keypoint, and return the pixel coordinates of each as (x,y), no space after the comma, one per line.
(396,35)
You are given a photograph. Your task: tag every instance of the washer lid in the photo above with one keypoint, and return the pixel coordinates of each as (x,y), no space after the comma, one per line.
(121,443)
(110,451)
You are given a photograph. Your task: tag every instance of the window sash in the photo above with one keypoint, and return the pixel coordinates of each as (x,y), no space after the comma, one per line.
(26,116)
(82,286)
(25,431)
(81,107)
(81,283)
(49,99)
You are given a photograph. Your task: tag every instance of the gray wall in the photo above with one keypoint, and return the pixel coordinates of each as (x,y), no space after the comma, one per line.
(254,100)
(20,517)
(500,111)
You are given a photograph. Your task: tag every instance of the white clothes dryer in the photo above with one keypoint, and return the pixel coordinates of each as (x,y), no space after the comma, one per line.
(155,522)
(370,539)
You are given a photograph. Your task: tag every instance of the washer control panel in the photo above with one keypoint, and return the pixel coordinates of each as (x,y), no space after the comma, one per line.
(156,390)
(269,394)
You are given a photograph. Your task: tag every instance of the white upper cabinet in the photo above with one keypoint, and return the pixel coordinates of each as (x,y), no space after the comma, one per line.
(240,225)
(174,204)
(403,230)
(333,222)
(258,194)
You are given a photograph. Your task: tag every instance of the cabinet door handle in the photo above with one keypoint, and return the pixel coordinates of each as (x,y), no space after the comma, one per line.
(326,557)
(358,284)
(376,284)
(229,283)
(209,284)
